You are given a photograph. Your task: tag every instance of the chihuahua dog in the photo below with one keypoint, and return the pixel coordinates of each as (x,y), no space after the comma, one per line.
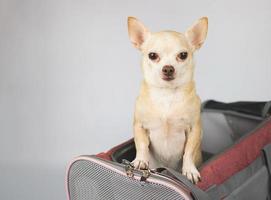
(167,124)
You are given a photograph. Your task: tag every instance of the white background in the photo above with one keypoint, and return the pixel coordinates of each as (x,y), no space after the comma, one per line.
(69,76)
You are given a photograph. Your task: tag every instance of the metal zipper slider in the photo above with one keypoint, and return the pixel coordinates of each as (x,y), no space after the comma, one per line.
(145,174)
(129,168)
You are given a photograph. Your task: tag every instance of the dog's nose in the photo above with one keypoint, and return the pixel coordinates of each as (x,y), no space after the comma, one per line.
(168,70)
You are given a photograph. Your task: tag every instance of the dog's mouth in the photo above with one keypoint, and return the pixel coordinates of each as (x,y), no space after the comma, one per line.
(168,78)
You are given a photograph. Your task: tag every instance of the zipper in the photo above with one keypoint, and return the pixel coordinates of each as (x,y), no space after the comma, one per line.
(146,173)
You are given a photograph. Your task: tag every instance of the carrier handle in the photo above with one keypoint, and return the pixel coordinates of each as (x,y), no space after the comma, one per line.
(196,192)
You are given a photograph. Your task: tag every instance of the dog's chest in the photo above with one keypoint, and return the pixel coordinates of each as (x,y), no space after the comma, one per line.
(167,125)
(168,112)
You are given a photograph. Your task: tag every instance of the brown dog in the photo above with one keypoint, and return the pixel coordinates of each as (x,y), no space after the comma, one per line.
(167,125)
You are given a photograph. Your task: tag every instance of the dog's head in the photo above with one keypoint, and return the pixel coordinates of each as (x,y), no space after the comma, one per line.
(167,55)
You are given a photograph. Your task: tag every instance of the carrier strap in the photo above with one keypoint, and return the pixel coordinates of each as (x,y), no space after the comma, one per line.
(267,109)
(267,157)
(196,192)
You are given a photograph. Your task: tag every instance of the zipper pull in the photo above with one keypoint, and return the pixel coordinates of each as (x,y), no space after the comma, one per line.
(129,168)
(145,174)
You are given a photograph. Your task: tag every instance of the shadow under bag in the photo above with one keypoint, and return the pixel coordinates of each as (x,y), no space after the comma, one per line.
(236,162)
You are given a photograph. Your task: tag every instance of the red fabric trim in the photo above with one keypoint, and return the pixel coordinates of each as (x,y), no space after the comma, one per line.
(104,155)
(236,158)
(107,155)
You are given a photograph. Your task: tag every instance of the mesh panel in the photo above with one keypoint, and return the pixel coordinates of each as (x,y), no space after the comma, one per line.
(88,180)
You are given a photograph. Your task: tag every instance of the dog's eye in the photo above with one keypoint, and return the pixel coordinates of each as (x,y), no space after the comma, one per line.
(153,56)
(183,55)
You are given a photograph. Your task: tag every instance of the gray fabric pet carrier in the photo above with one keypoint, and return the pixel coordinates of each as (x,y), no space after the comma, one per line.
(237,162)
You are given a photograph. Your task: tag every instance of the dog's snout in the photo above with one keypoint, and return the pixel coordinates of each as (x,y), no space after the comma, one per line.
(168,70)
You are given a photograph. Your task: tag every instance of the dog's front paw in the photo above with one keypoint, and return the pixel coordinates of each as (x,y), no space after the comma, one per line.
(191,173)
(141,164)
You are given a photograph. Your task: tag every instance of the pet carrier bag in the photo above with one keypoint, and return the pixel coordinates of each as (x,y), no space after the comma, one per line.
(236,149)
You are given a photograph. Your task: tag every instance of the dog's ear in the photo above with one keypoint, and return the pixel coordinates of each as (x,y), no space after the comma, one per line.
(197,33)
(138,33)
